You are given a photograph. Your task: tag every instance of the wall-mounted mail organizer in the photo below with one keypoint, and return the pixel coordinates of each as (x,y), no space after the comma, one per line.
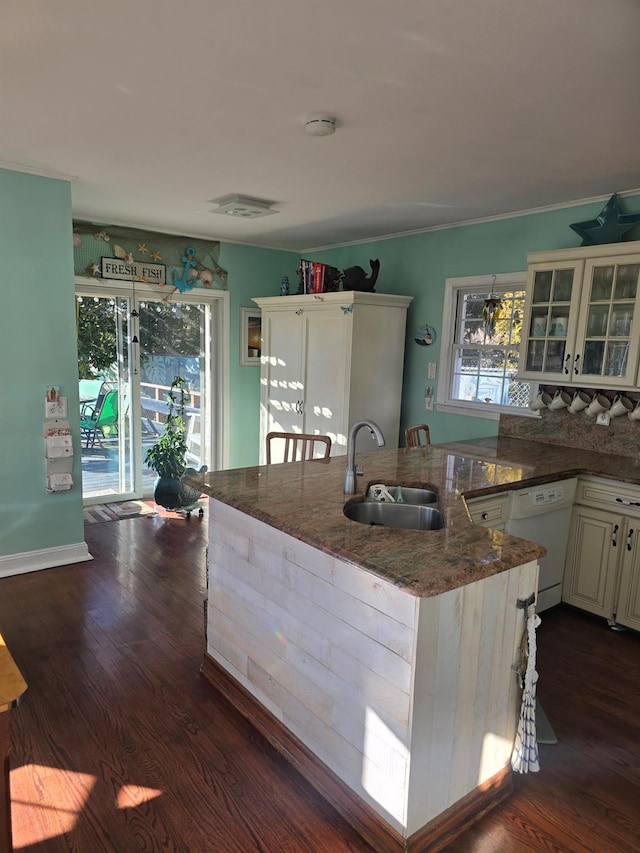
(58,454)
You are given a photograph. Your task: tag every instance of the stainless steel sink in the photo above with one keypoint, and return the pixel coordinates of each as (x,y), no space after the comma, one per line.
(406,515)
(411,495)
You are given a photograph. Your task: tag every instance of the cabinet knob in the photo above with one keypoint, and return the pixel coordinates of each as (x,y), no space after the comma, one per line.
(484,516)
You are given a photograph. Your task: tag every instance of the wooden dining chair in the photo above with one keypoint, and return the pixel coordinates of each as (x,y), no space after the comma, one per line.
(417,436)
(299,446)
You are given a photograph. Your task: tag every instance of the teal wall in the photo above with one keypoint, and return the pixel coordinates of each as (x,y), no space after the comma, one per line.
(38,348)
(251,272)
(38,336)
(418,265)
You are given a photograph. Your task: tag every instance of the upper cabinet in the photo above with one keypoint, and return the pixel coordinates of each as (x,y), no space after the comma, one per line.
(581,310)
(328,360)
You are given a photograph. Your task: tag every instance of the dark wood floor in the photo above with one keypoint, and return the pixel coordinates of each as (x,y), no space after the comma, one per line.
(120,745)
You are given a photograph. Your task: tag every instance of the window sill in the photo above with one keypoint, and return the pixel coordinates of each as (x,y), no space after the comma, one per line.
(475,410)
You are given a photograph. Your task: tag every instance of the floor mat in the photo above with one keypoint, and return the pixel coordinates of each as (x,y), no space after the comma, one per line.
(116,511)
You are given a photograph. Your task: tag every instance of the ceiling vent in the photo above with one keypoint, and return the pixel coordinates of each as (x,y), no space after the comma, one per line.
(242,207)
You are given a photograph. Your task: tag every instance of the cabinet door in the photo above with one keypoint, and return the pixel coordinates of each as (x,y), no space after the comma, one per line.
(595,541)
(325,373)
(628,604)
(550,322)
(608,335)
(281,392)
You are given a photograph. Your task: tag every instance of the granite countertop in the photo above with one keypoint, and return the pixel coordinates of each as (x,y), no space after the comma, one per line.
(305,500)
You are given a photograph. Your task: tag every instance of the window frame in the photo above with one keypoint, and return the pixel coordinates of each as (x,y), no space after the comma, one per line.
(453,288)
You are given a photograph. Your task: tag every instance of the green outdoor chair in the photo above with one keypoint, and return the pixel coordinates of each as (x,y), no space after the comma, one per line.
(95,420)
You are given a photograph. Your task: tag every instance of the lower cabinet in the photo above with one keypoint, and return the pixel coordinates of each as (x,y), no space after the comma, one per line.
(602,568)
(491,511)
(628,604)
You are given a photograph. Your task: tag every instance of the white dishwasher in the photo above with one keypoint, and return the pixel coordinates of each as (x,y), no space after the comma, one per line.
(542,514)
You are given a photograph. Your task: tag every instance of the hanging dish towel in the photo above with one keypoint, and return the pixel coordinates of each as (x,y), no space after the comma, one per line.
(524,758)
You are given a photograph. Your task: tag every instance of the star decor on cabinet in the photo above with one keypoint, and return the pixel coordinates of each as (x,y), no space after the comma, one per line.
(608,226)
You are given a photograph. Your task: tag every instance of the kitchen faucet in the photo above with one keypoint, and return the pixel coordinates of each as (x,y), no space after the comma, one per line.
(350,476)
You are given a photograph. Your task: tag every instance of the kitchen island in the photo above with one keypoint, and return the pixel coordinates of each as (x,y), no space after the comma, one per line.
(380,661)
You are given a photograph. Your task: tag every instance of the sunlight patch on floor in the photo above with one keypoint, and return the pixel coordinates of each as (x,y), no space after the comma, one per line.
(46,802)
(130,796)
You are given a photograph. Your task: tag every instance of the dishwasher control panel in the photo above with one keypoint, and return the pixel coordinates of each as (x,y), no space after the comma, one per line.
(539,499)
(548,495)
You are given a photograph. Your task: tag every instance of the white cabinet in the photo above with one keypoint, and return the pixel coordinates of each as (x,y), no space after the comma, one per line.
(628,609)
(602,569)
(581,309)
(592,558)
(331,359)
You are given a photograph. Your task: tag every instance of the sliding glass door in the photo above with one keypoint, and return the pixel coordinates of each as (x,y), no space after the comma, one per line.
(131,345)
(175,341)
(104,367)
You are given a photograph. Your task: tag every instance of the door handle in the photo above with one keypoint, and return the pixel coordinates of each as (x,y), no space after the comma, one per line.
(567,357)
(575,364)
(614,540)
(629,535)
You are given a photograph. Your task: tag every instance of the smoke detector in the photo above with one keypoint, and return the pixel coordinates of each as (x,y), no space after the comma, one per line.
(320,125)
(242,207)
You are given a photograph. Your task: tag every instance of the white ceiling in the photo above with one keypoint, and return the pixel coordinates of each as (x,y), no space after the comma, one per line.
(447,110)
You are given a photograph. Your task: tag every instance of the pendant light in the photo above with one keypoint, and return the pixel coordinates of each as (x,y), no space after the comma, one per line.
(491,311)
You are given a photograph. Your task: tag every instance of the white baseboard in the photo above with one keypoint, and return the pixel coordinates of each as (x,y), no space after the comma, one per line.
(48,558)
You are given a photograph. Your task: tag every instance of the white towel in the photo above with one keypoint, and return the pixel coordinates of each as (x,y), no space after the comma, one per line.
(524,758)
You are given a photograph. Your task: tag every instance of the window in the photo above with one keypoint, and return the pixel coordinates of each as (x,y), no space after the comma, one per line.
(479,366)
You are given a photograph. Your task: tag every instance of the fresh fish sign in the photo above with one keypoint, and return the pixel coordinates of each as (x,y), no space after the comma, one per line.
(133,270)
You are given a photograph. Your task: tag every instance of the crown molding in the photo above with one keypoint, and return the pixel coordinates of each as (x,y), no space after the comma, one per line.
(562,205)
(33,170)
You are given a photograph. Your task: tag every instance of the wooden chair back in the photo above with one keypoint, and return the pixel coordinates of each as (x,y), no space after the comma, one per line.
(298,447)
(417,436)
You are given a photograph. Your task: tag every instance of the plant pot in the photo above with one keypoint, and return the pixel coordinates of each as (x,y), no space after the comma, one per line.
(173,493)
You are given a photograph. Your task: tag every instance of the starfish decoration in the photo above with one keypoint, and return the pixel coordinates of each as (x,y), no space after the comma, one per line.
(608,226)
(156,256)
(142,248)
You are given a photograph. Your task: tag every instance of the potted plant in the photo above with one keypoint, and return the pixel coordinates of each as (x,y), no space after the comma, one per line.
(167,457)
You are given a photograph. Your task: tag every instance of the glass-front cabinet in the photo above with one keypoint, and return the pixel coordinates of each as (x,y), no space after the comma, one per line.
(550,320)
(582,317)
(609,314)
